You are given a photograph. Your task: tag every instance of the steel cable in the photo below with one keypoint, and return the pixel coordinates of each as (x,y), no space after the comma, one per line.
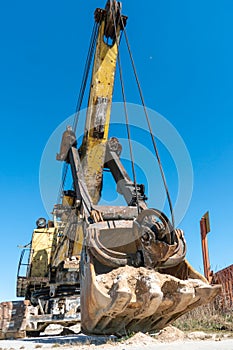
(80,100)
(126,112)
(149,125)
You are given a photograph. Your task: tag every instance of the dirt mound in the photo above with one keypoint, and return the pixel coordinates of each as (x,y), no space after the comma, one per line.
(199,336)
(140,338)
(166,335)
(170,334)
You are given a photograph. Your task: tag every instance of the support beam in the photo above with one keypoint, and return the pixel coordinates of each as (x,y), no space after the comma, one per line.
(125,185)
(205,229)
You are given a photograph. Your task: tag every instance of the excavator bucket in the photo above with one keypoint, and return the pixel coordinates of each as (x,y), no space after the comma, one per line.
(132,299)
(122,292)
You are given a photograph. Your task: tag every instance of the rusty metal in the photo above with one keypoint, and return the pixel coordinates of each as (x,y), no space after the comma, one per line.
(112,9)
(225,278)
(161,245)
(79,182)
(113,15)
(20,318)
(117,212)
(68,140)
(125,288)
(13,319)
(130,299)
(125,185)
(205,228)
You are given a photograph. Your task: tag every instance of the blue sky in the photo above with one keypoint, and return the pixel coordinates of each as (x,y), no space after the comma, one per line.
(183,53)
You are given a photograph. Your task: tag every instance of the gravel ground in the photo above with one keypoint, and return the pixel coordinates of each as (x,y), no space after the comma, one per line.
(80,342)
(190,345)
(170,338)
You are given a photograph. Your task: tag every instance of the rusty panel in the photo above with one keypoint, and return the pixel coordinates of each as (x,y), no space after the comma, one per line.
(13,319)
(225,278)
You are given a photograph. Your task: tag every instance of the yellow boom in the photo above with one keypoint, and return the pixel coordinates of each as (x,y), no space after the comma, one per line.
(93,148)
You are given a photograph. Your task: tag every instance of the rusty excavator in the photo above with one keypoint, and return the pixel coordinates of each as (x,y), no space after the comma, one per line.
(114,269)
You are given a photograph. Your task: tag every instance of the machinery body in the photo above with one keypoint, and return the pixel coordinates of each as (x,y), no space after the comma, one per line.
(114,269)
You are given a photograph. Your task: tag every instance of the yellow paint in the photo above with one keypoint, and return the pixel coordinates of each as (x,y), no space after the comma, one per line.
(78,243)
(63,250)
(68,201)
(102,84)
(43,245)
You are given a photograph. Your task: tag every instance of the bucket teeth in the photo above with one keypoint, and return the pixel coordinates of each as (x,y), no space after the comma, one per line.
(140,298)
(120,294)
(149,296)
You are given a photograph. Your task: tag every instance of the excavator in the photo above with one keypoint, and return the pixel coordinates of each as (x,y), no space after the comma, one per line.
(113,269)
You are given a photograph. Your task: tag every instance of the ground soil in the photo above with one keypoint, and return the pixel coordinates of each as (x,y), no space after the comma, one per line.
(169,338)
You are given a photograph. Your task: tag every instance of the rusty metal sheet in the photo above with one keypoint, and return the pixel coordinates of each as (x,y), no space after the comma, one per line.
(13,319)
(225,278)
(207,221)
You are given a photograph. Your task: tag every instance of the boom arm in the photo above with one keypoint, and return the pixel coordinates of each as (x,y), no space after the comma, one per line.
(93,149)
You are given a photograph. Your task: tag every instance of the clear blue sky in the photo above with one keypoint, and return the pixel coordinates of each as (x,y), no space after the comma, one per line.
(183,52)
